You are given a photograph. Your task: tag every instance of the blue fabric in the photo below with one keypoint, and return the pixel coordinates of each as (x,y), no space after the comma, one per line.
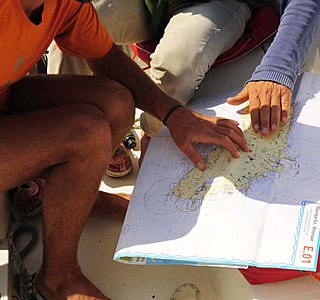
(286,55)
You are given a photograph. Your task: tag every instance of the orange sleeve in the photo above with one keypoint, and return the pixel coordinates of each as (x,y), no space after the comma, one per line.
(82,34)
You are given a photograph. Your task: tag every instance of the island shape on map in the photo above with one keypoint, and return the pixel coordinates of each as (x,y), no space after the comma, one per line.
(226,174)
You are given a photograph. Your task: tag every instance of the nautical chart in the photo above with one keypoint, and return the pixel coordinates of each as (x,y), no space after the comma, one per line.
(237,210)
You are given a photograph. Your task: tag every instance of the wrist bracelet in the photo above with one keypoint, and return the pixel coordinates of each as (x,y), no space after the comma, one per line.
(168,114)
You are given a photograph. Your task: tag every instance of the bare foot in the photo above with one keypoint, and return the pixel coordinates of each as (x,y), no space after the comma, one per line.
(67,286)
(145,140)
(111,205)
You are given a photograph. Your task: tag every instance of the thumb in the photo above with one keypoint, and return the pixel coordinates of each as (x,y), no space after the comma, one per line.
(239,98)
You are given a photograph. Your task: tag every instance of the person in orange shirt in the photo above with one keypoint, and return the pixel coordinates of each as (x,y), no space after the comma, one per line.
(69,126)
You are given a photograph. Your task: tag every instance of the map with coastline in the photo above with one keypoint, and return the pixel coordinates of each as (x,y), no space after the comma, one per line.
(226,175)
(233,212)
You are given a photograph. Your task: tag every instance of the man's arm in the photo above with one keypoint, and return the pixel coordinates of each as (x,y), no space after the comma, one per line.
(270,87)
(186,127)
(119,67)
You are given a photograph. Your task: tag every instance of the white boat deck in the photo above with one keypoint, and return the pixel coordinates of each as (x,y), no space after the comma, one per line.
(125,282)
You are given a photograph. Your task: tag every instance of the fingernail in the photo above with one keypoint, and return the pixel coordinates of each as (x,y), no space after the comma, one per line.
(201,165)
(247,148)
(236,122)
(265,131)
(274,127)
(238,154)
(256,127)
(284,119)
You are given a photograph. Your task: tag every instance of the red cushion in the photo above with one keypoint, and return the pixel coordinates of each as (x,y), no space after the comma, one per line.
(256,275)
(262,25)
(144,49)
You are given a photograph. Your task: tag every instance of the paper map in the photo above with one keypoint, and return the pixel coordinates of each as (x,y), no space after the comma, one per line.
(260,210)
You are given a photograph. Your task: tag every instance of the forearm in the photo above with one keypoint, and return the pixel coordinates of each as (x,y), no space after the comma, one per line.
(287,53)
(148,97)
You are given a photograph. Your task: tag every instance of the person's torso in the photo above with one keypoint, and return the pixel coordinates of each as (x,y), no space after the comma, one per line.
(23,42)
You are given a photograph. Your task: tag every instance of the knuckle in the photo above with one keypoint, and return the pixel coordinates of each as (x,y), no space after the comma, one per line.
(254,111)
(275,114)
(224,138)
(254,103)
(227,131)
(230,132)
(276,93)
(226,142)
(285,102)
(263,91)
(255,118)
(265,108)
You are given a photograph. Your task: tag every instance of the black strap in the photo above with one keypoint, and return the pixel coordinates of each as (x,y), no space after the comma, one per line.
(168,114)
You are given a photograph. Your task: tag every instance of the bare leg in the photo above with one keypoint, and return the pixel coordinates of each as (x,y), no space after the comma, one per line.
(65,211)
(75,142)
(110,97)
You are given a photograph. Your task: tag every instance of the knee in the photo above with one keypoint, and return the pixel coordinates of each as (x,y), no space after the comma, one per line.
(87,134)
(176,74)
(171,60)
(115,101)
(122,108)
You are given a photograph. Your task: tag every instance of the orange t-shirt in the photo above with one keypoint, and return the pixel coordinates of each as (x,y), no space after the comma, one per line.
(74,26)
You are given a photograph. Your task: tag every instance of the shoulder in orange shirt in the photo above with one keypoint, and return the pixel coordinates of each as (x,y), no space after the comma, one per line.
(74,26)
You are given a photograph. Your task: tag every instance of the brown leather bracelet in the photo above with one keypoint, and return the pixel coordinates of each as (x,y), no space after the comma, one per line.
(168,114)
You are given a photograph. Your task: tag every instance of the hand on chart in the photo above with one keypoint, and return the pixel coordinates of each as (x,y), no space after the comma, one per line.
(189,128)
(269,102)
